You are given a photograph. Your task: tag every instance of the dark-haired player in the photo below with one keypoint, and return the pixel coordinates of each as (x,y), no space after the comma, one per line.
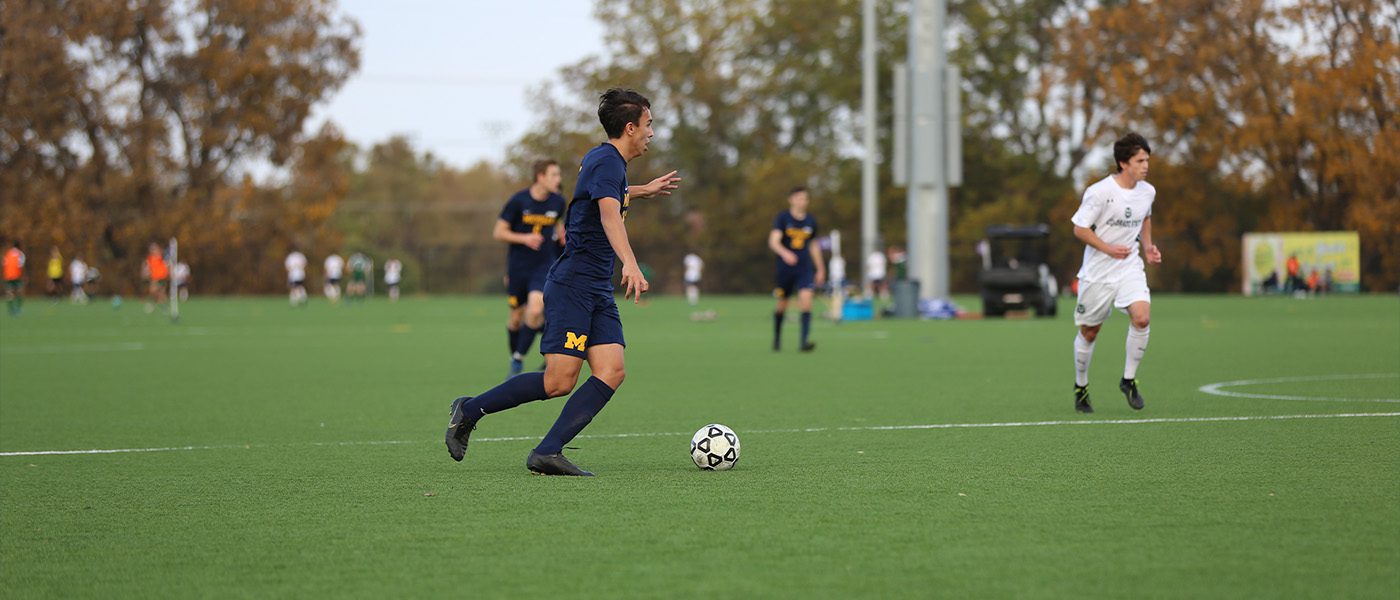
(581,317)
(799,264)
(1114,220)
(531,222)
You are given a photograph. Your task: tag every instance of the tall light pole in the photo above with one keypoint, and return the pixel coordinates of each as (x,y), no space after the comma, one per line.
(869,230)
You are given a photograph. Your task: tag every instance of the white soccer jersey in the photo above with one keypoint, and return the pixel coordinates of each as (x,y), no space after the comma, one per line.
(875,265)
(296,266)
(693,265)
(335,266)
(1116,215)
(393,270)
(78,271)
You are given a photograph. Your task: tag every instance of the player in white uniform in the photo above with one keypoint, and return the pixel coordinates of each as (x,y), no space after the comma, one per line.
(77,273)
(693,266)
(393,274)
(875,273)
(335,268)
(180,280)
(296,277)
(1114,220)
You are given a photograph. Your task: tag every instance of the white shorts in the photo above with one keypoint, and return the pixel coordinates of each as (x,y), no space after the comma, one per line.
(1096,297)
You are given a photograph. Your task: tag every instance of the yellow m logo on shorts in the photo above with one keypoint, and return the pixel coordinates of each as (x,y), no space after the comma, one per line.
(575,342)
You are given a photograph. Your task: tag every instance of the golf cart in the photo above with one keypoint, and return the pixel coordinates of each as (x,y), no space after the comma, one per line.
(1014,275)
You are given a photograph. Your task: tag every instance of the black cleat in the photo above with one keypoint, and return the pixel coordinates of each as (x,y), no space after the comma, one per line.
(459,429)
(809,346)
(553,464)
(1081,399)
(1130,391)
(776,346)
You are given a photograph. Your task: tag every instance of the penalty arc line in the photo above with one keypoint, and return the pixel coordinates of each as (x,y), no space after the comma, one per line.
(1217,389)
(927,426)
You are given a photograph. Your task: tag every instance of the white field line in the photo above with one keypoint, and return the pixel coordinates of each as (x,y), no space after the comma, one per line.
(801,430)
(1217,389)
(66,348)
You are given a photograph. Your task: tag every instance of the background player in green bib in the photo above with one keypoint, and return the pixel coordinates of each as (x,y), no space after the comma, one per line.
(581,318)
(532,222)
(799,265)
(358,286)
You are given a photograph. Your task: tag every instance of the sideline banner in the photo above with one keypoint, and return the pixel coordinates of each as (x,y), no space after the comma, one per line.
(1319,261)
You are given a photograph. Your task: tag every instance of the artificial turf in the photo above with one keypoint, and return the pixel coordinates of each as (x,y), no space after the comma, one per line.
(298,452)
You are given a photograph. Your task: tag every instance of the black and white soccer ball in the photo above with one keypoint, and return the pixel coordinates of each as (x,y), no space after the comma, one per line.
(715,448)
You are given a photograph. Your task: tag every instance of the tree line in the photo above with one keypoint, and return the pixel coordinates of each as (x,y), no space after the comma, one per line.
(122,123)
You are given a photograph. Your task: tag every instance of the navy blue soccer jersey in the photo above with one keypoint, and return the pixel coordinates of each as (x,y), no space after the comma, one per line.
(797,233)
(527,215)
(587,261)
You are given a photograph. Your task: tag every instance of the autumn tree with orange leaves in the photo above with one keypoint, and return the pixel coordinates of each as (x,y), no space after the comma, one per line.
(125,123)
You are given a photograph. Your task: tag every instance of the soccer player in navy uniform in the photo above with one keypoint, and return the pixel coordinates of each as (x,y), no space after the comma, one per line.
(581,321)
(800,265)
(532,223)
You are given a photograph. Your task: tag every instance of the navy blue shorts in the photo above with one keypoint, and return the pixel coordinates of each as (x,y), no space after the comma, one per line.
(575,319)
(519,285)
(793,278)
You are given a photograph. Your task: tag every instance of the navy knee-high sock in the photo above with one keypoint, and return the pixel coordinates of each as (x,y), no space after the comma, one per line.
(806,326)
(513,338)
(587,401)
(525,339)
(525,387)
(777,327)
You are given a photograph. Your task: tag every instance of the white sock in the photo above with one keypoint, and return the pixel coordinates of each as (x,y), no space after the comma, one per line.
(692,293)
(1083,355)
(1137,346)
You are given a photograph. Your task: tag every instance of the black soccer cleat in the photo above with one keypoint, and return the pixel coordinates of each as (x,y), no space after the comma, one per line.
(1130,391)
(1081,399)
(809,346)
(459,429)
(553,464)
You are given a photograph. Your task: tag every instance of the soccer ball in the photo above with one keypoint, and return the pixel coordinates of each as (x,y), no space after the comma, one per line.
(715,448)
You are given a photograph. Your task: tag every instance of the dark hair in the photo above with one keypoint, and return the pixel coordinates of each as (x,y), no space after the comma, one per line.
(542,165)
(796,190)
(618,107)
(1125,148)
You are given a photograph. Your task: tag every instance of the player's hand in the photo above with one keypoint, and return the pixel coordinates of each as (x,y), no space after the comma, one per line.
(790,259)
(533,240)
(1119,252)
(661,186)
(633,284)
(820,278)
(1153,254)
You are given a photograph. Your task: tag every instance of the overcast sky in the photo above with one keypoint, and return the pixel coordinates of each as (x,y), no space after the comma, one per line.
(453,75)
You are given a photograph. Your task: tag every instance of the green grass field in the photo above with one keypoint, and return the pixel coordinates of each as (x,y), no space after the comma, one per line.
(298,453)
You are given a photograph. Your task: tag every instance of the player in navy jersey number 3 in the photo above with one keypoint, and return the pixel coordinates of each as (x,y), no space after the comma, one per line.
(581,316)
(799,266)
(531,223)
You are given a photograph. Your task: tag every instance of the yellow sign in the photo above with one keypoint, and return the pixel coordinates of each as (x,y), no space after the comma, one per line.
(1301,261)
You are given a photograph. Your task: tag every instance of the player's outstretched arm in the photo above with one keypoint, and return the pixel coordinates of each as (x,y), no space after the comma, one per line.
(661,186)
(1150,249)
(633,283)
